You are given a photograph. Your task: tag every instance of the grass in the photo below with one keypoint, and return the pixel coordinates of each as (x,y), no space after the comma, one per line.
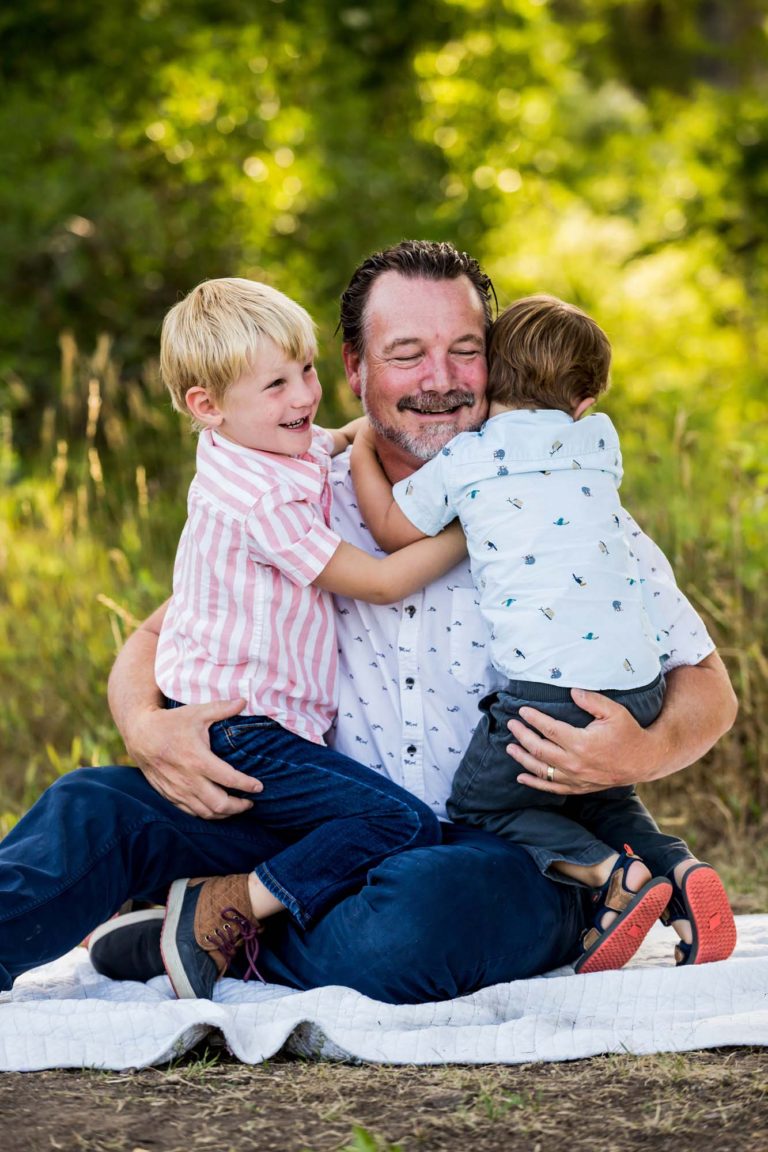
(613,1103)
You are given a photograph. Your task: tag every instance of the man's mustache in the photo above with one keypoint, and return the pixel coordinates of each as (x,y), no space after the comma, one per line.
(431,402)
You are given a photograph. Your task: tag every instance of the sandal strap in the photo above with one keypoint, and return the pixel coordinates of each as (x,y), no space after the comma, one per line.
(614,896)
(682,952)
(675,909)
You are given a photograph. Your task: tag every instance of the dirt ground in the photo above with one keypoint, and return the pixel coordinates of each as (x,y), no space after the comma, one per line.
(713,1101)
(208,1101)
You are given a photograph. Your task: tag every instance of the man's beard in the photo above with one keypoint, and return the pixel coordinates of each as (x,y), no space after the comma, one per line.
(421,445)
(426,443)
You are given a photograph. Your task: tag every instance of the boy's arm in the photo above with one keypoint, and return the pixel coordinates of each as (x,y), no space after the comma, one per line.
(352,572)
(387,523)
(171,745)
(344,436)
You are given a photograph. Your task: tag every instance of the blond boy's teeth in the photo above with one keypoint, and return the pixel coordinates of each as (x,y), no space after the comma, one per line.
(295,423)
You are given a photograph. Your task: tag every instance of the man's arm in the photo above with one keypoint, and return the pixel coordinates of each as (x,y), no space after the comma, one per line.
(699,707)
(171,746)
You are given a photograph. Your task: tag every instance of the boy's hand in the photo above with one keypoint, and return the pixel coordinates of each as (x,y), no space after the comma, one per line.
(363,451)
(365,436)
(172,749)
(346,435)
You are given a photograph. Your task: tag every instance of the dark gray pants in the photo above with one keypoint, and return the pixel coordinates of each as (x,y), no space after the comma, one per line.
(577,829)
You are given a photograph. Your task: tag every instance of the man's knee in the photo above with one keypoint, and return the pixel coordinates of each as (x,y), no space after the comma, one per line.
(446,921)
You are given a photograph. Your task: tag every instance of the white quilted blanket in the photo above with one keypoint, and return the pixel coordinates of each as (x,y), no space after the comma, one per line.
(66,1016)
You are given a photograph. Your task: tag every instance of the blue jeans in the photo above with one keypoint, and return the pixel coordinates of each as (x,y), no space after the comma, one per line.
(428,924)
(578,829)
(335,818)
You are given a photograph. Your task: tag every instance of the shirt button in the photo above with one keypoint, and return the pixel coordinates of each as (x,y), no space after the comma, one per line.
(411,610)
(409,681)
(411,749)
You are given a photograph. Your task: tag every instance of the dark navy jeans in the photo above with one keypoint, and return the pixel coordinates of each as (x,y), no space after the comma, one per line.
(583,829)
(427,924)
(335,818)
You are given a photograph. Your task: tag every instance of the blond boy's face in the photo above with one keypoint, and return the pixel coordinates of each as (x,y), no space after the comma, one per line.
(271,407)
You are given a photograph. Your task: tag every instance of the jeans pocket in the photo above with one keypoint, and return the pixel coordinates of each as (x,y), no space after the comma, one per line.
(230,735)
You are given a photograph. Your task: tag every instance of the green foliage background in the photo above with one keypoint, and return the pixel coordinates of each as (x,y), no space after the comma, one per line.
(614,152)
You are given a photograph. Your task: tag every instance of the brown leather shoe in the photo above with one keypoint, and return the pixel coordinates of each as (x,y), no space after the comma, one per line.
(206,921)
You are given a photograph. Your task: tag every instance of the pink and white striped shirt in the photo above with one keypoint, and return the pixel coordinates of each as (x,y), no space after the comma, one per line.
(244,618)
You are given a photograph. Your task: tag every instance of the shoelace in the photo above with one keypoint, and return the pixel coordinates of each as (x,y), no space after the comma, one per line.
(236,930)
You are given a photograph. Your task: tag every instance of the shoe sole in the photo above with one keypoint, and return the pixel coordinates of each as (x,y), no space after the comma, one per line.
(623,937)
(125,922)
(709,912)
(124,918)
(168,948)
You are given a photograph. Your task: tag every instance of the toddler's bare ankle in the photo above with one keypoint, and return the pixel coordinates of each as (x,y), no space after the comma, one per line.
(637,876)
(680,869)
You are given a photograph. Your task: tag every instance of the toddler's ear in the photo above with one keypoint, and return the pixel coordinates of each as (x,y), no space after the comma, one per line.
(582,407)
(203,407)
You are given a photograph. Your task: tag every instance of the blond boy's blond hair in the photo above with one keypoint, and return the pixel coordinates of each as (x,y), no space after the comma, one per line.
(544,353)
(218,330)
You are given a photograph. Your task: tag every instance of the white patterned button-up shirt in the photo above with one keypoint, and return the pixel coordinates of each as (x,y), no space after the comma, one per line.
(411,675)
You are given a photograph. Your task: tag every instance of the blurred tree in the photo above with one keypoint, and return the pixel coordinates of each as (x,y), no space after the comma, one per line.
(611,150)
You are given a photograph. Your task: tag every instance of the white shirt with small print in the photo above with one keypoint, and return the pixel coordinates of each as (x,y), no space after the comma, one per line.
(411,674)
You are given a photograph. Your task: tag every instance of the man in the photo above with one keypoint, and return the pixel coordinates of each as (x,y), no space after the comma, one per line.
(429,924)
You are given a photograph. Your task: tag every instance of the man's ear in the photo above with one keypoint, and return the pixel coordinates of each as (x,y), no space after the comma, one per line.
(582,406)
(352,367)
(203,408)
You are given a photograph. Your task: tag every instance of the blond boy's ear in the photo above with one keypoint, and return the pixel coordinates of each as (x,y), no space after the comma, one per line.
(203,408)
(582,407)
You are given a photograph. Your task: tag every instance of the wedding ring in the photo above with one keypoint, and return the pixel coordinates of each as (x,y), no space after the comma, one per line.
(550,773)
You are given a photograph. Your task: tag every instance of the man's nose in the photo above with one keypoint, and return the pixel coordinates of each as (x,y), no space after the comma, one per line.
(438,377)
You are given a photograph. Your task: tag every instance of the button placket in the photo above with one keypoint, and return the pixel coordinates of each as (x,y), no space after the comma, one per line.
(412,734)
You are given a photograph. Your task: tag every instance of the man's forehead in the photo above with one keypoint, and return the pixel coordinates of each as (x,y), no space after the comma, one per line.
(406,308)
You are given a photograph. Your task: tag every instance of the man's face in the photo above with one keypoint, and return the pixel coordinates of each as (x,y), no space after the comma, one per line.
(423,375)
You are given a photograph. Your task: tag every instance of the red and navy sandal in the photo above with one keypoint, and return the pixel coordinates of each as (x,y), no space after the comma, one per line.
(604,949)
(703,902)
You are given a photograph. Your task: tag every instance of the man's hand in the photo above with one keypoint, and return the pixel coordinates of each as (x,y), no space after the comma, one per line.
(699,707)
(171,745)
(172,749)
(613,750)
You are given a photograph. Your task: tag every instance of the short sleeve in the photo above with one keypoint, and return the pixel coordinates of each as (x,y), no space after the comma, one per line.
(680,630)
(289,533)
(424,499)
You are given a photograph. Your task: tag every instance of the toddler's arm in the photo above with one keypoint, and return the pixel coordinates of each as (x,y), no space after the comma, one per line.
(388,524)
(344,436)
(352,572)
